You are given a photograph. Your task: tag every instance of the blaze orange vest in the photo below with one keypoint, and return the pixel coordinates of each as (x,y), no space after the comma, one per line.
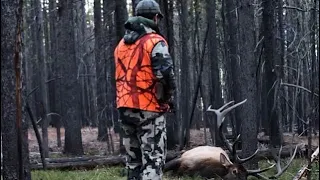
(135,81)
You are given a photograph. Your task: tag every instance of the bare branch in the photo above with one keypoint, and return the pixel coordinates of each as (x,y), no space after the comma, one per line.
(298,9)
(36,88)
(297,86)
(258,44)
(56,114)
(288,67)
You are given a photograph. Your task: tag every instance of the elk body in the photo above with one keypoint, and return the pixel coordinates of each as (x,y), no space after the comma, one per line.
(208,162)
(214,162)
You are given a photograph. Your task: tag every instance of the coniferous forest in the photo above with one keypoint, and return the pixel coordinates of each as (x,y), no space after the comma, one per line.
(58,108)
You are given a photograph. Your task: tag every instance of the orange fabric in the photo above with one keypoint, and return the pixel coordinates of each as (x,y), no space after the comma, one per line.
(135,81)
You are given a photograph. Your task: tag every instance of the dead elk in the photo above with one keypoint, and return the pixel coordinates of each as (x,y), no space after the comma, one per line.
(214,162)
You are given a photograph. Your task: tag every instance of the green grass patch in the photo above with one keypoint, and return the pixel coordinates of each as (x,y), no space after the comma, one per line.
(111,173)
(295,166)
(114,173)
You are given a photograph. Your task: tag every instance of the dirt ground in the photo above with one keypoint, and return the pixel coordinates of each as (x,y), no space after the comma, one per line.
(89,138)
(94,147)
(90,143)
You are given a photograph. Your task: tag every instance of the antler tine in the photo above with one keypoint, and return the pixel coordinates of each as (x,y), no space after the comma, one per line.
(282,170)
(218,112)
(222,107)
(236,157)
(224,112)
(234,150)
(277,158)
(221,113)
(248,158)
(257,172)
(260,176)
(220,118)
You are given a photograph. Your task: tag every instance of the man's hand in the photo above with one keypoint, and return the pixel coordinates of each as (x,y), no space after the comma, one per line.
(171,103)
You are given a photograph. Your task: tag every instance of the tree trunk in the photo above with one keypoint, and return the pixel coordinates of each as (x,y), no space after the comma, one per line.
(247,79)
(232,55)
(312,97)
(109,44)
(185,78)
(134,4)
(83,74)
(70,86)
(42,67)
(36,77)
(100,73)
(166,27)
(52,68)
(14,142)
(272,86)
(215,85)
(281,53)
(121,15)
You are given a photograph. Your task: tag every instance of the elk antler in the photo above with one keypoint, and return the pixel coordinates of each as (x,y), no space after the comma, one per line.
(277,159)
(221,112)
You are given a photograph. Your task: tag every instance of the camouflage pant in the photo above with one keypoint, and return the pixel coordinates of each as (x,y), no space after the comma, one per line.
(144,138)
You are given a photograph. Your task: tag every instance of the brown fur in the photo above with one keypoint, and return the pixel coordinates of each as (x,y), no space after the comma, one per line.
(207,162)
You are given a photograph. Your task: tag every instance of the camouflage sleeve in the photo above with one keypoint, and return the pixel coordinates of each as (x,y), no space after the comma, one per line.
(162,65)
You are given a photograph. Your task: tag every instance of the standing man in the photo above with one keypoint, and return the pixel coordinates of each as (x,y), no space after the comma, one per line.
(145,84)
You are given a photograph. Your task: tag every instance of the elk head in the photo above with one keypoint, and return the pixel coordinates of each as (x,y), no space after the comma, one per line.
(233,171)
(234,168)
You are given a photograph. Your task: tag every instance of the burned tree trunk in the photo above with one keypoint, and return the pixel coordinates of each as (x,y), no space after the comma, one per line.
(42,67)
(69,83)
(54,104)
(185,78)
(13,124)
(272,85)
(100,72)
(247,78)
(121,15)
(215,90)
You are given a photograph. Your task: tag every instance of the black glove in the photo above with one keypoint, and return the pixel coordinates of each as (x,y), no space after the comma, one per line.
(171,103)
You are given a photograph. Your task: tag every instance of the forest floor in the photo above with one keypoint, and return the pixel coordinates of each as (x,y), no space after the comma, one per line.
(94,147)
(116,173)
(91,145)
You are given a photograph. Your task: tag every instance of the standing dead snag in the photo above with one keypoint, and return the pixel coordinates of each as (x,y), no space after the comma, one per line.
(18,70)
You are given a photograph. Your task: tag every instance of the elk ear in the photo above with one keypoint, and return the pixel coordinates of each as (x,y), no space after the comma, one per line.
(224,160)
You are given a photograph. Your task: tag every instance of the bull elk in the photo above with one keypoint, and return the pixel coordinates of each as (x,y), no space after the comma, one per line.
(214,162)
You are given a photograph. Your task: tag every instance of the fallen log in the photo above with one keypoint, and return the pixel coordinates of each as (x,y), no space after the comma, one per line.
(94,161)
(286,152)
(80,164)
(304,170)
(74,159)
(36,131)
(87,161)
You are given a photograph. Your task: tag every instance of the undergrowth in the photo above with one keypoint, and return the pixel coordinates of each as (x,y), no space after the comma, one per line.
(116,173)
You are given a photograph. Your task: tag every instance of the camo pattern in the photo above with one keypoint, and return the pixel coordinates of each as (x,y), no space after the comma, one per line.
(144,138)
(162,66)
